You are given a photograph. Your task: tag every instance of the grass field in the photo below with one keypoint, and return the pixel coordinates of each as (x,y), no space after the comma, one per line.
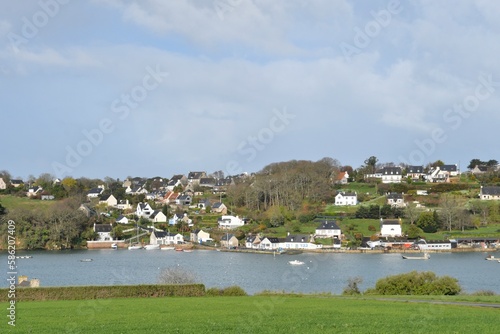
(13,202)
(253,314)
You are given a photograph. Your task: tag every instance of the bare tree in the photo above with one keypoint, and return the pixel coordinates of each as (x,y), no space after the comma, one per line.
(176,275)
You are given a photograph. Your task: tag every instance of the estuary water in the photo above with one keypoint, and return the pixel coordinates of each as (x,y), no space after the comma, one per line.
(253,272)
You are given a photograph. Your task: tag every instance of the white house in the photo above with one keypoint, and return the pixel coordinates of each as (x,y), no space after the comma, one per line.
(158,217)
(270,243)
(109,200)
(390,228)
(328,229)
(199,236)
(415,172)
(3,185)
(299,242)
(95,192)
(230,222)
(33,191)
(346,198)
(122,220)
(123,205)
(392,174)
(103,231)
(252,242)
(143,210)
(489,193)
(165,238)
(396,200)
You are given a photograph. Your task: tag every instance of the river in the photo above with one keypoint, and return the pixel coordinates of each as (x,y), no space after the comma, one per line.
(253,272)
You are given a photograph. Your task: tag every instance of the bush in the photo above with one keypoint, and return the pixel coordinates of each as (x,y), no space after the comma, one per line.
(176,275)
(352,286)
(417,283)
(229,291)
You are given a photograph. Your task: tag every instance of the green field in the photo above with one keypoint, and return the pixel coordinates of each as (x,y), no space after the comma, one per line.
(14,202)
(253,314)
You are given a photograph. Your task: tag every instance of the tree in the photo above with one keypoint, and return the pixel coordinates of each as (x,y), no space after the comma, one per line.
(427,222)
(371,163)
(411,212)
(413,232)
(449,209)
(176,275)
(474,162)
(2,210)
(417,283)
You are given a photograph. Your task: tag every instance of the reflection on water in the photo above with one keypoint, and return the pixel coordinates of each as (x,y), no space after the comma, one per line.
(253,272)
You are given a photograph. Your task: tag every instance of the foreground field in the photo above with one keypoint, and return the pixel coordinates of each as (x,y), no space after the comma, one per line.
(255,314)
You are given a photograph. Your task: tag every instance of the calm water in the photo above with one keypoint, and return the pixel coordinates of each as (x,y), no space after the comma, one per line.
(253,272)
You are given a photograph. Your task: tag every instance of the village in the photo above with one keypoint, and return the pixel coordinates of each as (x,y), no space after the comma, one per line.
(194,210)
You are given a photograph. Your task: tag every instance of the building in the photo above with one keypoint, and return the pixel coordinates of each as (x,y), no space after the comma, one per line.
(328,229)
(396,200)
(165,238)
(230,222)
(390,228)
(228,241)
(346,198)
(103,231)
(392,174)
(199,236)
(489,193)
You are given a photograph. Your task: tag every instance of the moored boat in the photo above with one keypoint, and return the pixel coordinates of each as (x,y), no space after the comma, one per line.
(133,247)
(491,258)
(151,247)
(167,248)
(114,246)
(296,262)
(426,256)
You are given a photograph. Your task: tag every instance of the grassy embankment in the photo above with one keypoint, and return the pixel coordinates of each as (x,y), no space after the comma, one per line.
(251,314)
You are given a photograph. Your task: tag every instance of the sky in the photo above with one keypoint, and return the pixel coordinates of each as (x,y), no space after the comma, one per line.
(154,88)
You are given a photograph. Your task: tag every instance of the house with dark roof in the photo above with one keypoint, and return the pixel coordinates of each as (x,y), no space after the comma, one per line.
(158,217)
(34,191)
(396,200)
(269,243)
(122,219)
(252,242)
(415,173)
(207,182)
(103,231)
(489,193)
(392,174)
(219,207)
(109,200)
(479,170)
(299,241)
(16,183)
(194,177)
(95,192)
(165,238)
(346,198)
(228,241)
(452,169)
(143,210)
(328,229)
(184,200)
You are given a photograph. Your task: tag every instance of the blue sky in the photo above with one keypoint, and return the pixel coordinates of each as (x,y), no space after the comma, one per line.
(145,88)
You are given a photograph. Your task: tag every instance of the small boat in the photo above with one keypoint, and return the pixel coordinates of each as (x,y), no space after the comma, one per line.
(24,257)
(426,256)
(114,246)
(178,249)
(133,247)
(187,250)
(151,247)
(491,258)
(167,248)
(86,260)
(296,262)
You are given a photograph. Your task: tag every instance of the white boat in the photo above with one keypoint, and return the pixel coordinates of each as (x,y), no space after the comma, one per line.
(86,260)
(296,262)
(168,248)
(426,256)
(491,258)
(187,250)
(114,246)
(136,246)
(151,247)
